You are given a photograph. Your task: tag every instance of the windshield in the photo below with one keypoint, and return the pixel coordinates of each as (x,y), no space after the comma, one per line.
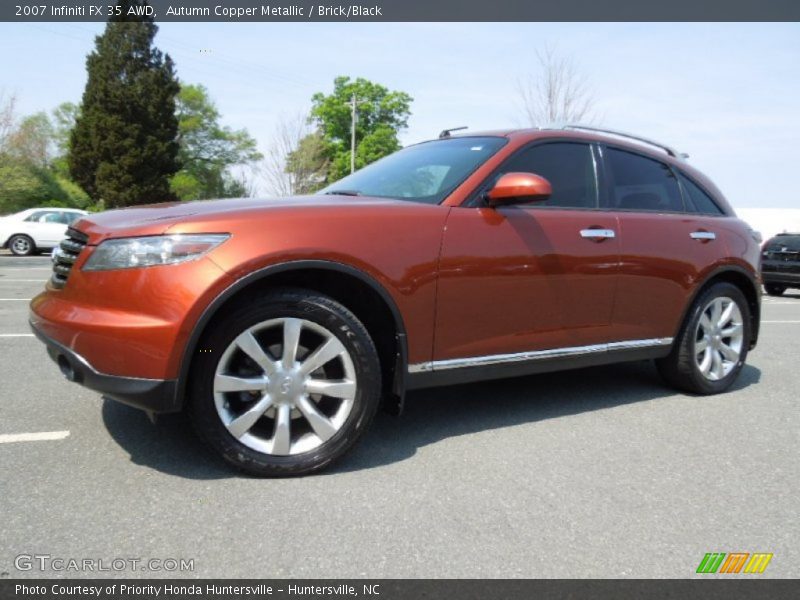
(779,242)
(426,172)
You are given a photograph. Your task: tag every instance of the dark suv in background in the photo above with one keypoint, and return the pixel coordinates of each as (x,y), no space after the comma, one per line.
(780,267)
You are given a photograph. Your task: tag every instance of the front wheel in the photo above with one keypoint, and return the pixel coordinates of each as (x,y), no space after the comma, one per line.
(285,385)
(21,245)
(712,346)
(774,289)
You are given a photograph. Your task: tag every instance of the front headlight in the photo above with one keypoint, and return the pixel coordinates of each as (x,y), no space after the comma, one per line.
(128,253)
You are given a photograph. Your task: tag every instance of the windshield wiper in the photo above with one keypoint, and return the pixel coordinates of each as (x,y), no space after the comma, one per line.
(343,193)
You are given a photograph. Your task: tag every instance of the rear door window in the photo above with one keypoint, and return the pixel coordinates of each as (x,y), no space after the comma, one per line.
(640,183)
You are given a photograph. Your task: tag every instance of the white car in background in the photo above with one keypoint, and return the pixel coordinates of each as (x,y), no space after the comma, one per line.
(36,229)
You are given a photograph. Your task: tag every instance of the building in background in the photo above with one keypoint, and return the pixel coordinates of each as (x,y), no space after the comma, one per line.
(771,221)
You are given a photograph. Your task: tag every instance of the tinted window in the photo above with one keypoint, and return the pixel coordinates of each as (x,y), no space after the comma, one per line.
(34,217)
(779,242)
(699,201)
(640,183)
(568,167)
(72,217)
(426,172)
(53,218)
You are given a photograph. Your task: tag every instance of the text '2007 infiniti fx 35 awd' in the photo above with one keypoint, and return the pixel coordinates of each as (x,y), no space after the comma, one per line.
(281,325)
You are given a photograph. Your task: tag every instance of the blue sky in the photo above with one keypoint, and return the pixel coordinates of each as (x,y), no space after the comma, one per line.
(728,94)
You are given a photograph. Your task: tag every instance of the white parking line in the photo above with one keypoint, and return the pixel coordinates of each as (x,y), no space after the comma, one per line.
(3,280)
(43,436)
(26,268)
(15,299)
(15,335)
(780,321)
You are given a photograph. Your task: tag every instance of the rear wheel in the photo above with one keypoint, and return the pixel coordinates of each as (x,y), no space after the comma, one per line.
(774,289)
(711,349)
(286,386)
(21,245)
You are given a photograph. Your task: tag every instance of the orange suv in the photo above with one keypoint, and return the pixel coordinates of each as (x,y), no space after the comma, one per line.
(282,324)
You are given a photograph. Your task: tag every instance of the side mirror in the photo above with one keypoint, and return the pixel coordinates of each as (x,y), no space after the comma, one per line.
(514,188)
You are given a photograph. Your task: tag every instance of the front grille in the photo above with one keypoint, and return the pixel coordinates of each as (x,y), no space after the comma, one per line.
(65,256)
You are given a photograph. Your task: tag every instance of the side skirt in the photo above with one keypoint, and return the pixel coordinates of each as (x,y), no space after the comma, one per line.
(500,366)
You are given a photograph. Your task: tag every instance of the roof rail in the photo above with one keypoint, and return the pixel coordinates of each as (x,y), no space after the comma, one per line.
(668,149)
(446,133)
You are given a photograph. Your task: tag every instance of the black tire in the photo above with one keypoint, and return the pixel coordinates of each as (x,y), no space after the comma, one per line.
(21,245)
(680,368)
(774,289)
(285,304)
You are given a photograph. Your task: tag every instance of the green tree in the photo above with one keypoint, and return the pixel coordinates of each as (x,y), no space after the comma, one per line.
(123,148)
(32,140)
(382,114)
(307,164)
(208,149)
(24,185)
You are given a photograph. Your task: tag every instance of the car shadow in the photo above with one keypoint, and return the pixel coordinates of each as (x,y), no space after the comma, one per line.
(170,445)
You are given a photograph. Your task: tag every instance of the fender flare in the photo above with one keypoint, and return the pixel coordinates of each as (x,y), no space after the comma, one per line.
(716,272)
(401,364)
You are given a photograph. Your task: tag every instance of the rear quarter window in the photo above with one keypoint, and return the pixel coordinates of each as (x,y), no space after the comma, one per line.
(698,200)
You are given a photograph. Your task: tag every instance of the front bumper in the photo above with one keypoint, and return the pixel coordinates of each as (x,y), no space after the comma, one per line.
(152,395)
(789,278)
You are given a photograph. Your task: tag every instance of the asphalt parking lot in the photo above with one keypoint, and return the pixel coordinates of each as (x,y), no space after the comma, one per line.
(600,472)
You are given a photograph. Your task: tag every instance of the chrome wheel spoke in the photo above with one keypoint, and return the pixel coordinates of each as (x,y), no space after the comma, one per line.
(282,434)
(244,422)
(705,322)
(333,388)
(716,310)
(248,344)
(726,315)
(732,331)
(728,353)
(716,364)
(705,362)
(319,422)
(230,383)
(700,346)
(322,355)
(291,339)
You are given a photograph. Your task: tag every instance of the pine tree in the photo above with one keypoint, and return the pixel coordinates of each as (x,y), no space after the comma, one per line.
(123,148)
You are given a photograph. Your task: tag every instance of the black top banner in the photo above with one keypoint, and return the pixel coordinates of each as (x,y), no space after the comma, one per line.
(242,11)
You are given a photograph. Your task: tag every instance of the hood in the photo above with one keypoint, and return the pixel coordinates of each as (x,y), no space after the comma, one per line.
(155,219)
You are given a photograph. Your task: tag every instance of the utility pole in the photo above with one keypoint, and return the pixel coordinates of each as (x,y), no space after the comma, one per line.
(353,104)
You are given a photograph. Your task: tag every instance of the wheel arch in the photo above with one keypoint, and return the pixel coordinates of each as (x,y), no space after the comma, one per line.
(367,298)
(742,279)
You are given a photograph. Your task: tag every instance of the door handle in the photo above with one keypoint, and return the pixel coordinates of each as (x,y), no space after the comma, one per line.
(703,236)
(598,234)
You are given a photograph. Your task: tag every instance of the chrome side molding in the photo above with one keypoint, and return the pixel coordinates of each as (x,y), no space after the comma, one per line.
(498,359)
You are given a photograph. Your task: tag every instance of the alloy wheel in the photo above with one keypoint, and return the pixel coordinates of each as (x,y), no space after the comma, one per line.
(719,338)
(284,386)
